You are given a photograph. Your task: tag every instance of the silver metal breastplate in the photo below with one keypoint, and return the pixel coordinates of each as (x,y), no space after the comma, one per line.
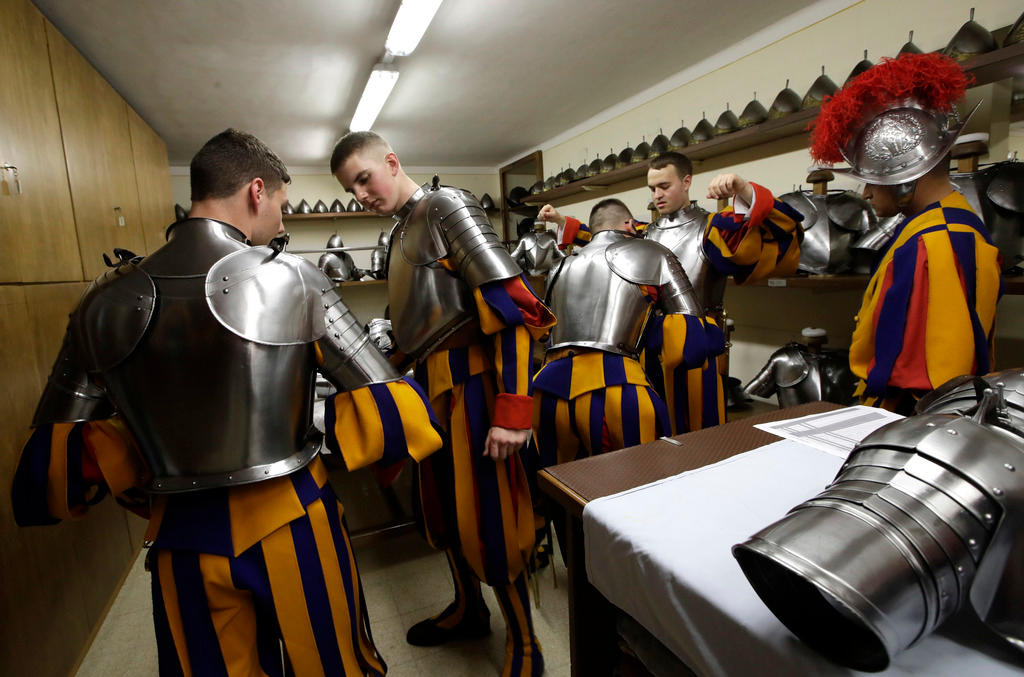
(427,302)
(540,253)
(208,407)
(595,307)
(683,233)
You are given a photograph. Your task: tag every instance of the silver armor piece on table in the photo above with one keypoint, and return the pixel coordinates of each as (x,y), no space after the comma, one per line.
(70,396)
(901,144)
(830,224)
(269,297)
(960,394)
(536,252)
(935,525)
(428,303)
(350,359)
(683,233)
(996,193)
(795,376)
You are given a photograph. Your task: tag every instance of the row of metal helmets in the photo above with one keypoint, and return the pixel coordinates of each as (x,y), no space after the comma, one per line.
(321,207)
(970,40)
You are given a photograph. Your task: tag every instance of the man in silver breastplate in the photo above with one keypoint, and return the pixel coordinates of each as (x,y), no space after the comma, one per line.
(464,316)
(185,388)
(758,237)
(592,395)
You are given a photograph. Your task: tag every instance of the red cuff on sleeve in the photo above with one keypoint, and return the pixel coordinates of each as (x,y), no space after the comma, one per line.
(513,411)
(764,203)
(572,227)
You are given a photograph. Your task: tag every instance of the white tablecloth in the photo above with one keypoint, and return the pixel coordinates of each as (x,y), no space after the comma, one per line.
(661,553)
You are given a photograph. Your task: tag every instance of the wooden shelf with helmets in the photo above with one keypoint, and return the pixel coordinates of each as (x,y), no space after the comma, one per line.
(999,64)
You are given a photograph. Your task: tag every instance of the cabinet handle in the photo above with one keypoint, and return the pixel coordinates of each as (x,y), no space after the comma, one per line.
(4,186)
(120,217)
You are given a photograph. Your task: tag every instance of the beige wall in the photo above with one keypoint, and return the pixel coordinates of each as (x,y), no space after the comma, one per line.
(766,318)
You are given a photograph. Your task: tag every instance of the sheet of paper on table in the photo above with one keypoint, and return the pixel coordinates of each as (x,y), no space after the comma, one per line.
(836,432)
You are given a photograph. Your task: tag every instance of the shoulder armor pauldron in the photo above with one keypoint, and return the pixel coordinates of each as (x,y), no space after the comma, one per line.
(268,297)
(113,315)
(640,261)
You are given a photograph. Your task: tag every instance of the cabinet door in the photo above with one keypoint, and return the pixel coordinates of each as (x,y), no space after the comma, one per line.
(98,148)
(153,174)
(37,226)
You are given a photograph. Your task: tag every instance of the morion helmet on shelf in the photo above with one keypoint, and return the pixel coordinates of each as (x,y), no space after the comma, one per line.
(971,40)
(703,131)
(820,88)
(659,146)
(727,122)
(787,101)
(861,66)
(681,138)
(753,114)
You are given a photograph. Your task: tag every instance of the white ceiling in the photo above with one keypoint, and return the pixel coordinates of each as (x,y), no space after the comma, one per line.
(490,79)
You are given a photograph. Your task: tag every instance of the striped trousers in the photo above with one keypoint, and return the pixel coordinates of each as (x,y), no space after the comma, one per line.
(217,615)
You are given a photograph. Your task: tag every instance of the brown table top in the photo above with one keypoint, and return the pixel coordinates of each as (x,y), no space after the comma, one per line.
(576,483)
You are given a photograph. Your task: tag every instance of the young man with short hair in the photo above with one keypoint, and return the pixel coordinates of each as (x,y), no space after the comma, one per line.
(463,314)
(185,389)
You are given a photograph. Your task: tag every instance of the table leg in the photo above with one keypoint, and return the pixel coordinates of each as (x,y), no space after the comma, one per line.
(592,643)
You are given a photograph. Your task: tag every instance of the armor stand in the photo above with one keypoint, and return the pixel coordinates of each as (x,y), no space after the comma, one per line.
(967,155)
(819,179)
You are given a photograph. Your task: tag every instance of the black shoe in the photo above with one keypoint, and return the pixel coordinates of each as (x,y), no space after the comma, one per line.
(428,633)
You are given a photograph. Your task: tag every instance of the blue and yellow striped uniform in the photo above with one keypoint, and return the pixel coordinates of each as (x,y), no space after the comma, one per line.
(238,570)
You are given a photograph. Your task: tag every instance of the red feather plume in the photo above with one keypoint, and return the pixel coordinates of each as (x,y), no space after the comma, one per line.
(936,82)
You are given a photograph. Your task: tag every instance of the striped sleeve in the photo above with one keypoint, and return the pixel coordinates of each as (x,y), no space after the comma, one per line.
(766,242)
(512,315)
(67,467)
(574,232)
(383,423)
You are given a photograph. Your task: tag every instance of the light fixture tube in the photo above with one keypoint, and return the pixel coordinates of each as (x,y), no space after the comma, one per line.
(410,24)
(378,88)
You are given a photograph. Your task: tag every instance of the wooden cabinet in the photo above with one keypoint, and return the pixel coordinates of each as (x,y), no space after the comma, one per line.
(156,200)
(37,226)
(98,149)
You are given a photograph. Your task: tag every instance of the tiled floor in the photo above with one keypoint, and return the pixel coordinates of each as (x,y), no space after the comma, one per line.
(405,582)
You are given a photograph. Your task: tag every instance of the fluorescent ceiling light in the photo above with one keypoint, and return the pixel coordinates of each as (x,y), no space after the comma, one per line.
(410,24)
(378,88)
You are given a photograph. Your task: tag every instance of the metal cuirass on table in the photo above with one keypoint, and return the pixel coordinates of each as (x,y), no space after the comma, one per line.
(924,519)
(683,233)
(429,302)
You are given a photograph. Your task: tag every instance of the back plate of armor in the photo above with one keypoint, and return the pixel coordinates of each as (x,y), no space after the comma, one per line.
(683,234)
(208,407)
(596,307)
(995,193)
